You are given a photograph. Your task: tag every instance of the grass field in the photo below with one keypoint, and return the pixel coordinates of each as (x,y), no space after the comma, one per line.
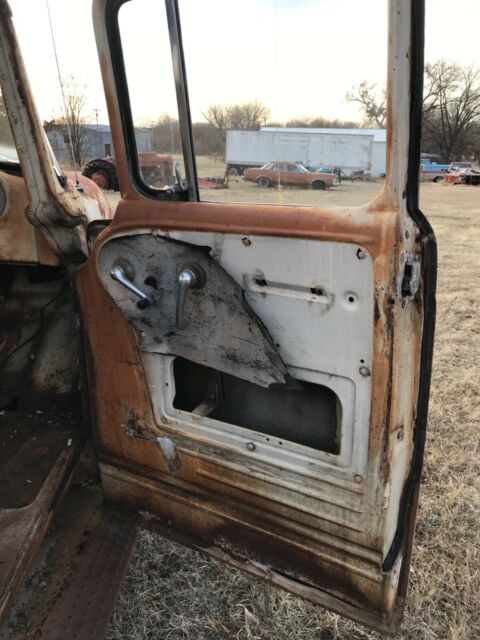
(174,593)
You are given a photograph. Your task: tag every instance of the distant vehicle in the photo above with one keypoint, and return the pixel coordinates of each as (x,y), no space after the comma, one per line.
(461,166)
(247,149)
(156,168)
(463,175)
(432,171)
(290,173)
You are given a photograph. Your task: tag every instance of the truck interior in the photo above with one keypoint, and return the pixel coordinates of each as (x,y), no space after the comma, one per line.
(249,379)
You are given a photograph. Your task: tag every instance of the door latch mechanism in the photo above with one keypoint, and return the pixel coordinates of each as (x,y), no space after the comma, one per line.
(411,278)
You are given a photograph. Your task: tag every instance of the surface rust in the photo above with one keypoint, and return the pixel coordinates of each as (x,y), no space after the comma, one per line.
(30,443)
(28,513)
(114,350)
(376,229)
(19,240)
(90,194)
(71,588)
(204,520)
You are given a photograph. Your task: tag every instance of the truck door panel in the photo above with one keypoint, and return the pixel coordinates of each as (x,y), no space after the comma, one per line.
(276,425)
(232,485)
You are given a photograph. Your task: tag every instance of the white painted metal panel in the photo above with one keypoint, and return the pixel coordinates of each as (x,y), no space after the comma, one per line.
(324,337)
(379,159)
(332,150)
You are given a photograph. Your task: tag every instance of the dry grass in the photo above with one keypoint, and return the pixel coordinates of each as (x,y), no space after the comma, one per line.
(174,593)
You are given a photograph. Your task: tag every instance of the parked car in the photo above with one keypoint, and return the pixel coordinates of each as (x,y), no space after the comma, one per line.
(462,167)
(463,176)
(433,171)
(289,173)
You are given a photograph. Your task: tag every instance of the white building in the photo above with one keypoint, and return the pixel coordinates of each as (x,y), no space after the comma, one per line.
(379,152)
(96,141)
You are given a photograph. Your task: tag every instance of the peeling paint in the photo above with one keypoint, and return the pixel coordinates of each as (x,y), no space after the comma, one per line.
(169,451)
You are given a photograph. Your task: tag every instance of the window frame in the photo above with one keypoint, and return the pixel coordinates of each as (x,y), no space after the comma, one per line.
(112,10)
(293,167)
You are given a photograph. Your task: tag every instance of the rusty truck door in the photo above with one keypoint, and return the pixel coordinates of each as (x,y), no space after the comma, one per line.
(259,374)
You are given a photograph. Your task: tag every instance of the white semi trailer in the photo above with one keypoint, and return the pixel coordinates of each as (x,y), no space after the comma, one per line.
(255,148)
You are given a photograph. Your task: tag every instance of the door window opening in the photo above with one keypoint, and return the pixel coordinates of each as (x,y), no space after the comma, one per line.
(307,414)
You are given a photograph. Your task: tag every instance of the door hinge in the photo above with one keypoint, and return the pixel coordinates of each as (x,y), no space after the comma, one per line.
(411,278)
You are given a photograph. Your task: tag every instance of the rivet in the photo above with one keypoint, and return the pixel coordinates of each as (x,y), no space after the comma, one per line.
(250,446)
(246,242)
(358,478)
(361,254)
(164,419)
(364,371)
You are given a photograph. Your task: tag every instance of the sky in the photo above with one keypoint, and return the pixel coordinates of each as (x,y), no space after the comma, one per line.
(299,57)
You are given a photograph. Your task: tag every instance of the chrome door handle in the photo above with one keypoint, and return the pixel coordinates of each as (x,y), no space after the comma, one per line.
(191,277)
(118,273)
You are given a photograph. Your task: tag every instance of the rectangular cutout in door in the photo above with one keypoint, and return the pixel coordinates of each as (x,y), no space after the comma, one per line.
(309,415)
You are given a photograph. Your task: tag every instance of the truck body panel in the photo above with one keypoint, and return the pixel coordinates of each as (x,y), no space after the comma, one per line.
(255,148)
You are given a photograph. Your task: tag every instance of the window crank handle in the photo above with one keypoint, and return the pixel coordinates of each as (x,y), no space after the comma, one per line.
(118,273)
(191,277)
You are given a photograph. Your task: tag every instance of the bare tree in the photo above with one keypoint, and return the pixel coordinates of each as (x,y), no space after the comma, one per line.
(166,135)
(451,109)
(372,103)
(74,119)
(246,115)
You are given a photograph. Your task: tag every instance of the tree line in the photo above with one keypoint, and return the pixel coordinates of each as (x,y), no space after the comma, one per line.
(450,123)
(451,109)
(210,136)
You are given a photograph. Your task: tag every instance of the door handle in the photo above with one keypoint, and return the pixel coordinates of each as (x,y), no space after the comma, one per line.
(191,277)
(118,273)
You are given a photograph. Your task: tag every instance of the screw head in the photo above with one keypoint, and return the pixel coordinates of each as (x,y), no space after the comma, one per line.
(246,242)
(358,478)
(361,254)
(364,371)
(164,419)
(251,446)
